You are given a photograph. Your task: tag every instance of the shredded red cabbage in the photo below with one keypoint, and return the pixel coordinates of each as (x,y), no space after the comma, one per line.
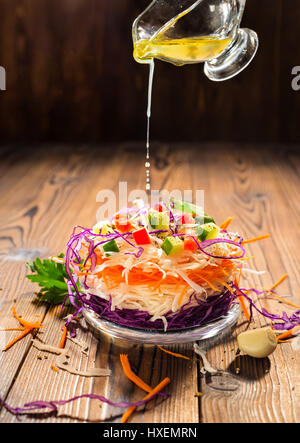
(204,312)
(188,316)
(53,405)
(286,322)
(207,243)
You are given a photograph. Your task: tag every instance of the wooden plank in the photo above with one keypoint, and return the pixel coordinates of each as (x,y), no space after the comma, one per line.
(67,386)
(153,365)
(51,187)
(251,187)
(39,210)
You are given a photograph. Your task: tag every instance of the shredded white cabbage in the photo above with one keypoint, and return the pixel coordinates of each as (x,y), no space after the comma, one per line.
(165,297)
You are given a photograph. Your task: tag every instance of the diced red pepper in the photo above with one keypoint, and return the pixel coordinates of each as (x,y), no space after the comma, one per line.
(190,244)
(159,207)
(186,219)
(122,223)
(142,237)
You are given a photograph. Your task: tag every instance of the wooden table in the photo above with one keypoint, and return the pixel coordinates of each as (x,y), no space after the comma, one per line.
(46,190)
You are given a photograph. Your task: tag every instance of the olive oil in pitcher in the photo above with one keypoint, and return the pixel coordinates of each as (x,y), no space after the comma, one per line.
(182,50)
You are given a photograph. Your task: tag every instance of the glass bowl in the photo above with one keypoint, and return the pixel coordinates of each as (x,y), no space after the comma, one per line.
(222,326)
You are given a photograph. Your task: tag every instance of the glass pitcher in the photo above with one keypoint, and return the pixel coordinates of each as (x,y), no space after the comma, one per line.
(188,31)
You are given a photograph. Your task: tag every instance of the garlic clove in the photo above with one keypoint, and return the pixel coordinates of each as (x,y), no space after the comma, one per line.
(258,343)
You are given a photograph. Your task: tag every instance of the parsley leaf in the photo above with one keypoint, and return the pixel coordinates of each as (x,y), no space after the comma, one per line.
(51,277)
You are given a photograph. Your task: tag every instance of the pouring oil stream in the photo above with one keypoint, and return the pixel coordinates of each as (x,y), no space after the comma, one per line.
(150,62)
(203,48)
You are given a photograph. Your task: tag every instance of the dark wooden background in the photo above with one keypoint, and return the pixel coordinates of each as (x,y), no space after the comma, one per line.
(71,77)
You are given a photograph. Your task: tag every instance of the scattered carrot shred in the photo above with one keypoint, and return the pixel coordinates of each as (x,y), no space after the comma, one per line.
(173,353)
(226,223)
(282,299)
(242,302)
(153,392)
(286,301)
(286,334)
(12,329)
(25,323)
(240,274)
(54,368)
(278,282)
(252,240)
(28,328)
(131,375)
(15,340)
(62,342)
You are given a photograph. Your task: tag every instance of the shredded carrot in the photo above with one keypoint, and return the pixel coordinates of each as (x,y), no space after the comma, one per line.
(173,353)
(285,301)
(131,375)
(12,329)
(182,295)
(242,302)
(252,240)
(113,276)
(226,285)
(153,392)
(278,282)
(210,285)
(240,274)
(284,335)
(277,296)
(28,327)
(63,337)
(225,273)
(25,323)
(226,223)
(62,260)
(54,368)
(15,340)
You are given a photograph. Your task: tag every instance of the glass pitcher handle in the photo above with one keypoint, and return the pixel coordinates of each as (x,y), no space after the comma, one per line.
(240,9)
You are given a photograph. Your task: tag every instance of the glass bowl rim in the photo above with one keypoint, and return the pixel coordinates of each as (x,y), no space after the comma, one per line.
(222,326)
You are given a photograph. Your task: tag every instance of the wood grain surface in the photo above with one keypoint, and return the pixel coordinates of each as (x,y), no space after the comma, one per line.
(46,191)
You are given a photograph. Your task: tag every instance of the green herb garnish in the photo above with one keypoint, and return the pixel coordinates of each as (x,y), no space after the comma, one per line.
(51,277)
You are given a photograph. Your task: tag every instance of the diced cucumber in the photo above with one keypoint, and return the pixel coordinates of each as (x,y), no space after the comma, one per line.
(203,219)
(183,206)
(111,246)
(159,220)
(172,245)
(200,216)
(208,231)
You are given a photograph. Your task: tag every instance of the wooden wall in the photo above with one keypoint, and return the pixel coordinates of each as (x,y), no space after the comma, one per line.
(71,77)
